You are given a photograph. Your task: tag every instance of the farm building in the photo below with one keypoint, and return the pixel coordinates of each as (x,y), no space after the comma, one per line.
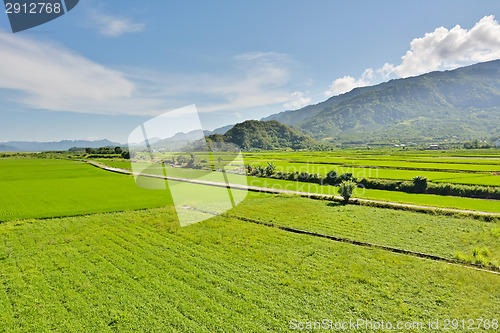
(497,144)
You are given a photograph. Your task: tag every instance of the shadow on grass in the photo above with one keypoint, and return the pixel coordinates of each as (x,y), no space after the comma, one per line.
(336,204)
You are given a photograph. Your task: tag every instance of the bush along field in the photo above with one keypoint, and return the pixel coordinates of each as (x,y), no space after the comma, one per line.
(419,184)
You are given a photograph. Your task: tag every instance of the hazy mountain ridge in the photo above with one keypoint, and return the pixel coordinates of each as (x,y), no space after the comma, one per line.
(5,148)
(55,145)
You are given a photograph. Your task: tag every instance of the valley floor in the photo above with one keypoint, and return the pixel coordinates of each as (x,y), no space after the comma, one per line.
(139,271)
(119,260)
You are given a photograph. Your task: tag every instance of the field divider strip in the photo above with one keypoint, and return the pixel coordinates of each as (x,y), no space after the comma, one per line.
(379,203)
(347,165)
(486,268)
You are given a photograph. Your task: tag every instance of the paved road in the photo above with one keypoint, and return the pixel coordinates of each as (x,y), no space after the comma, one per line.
(303,194)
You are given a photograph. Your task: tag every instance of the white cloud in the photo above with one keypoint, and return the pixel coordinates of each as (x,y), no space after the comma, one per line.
(441,49)
(257,80)
(386,71)
(52,77)
(447,49)
(47,76)
(115,26)
(348,83)
(298,101)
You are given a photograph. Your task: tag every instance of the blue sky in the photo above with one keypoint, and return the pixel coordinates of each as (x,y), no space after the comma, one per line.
(102,69)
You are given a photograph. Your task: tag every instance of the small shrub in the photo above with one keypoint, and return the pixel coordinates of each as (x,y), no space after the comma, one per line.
(269,169)
(420,184)
(347,176)
(346,189)
(331,178)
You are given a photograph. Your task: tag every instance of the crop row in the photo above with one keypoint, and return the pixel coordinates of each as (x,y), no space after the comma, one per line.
(138,271)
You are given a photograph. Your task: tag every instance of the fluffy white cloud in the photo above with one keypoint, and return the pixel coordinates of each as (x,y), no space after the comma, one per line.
(446,49)
(51,77)
(298,101)
(438,50)
(348,83)
(115,26)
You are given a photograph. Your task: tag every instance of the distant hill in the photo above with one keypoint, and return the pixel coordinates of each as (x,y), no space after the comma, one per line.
(59,145)
(220,130)
(460,104)
(254,134)
(5,148)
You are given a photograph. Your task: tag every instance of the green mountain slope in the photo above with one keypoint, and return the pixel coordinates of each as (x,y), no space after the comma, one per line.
(460,104)
(254,134)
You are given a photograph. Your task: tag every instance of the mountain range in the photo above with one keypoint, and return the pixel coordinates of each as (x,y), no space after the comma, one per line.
(33,146)
(454,105)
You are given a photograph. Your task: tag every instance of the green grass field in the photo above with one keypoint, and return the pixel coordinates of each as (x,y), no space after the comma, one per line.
(486,179)
(384,165)
(127,266)
(392,196)
(138,271)
(40,188)
(490,166)
(438,235)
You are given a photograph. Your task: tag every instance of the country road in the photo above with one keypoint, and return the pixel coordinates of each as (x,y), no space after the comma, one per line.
(387,204)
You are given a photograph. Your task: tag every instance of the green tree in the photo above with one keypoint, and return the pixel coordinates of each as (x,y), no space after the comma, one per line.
(331,178)
(347,176)
(125,154)
(259,170)
(346,189)
(249,168)
(270,168)
(181,159)
(193,162)
(420,184)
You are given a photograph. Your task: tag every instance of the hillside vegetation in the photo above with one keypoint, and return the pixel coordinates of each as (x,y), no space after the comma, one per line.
(455,105)
(264,135)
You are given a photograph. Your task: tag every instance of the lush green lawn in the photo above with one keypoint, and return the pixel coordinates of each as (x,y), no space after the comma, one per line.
(48,188)
(393,196)
(350,161)
(138,271)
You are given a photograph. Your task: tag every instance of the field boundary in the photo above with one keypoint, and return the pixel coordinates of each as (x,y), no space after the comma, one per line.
(488,268)
(398,168)
(369,202)
(481,267)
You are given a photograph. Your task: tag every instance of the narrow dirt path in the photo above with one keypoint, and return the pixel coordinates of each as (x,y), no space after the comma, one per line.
(388,204)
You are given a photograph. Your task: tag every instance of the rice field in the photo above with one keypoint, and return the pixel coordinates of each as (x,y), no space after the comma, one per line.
(138,271)
(87,250)
(43,188)
(391,196)
(439,235)
(455,167)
